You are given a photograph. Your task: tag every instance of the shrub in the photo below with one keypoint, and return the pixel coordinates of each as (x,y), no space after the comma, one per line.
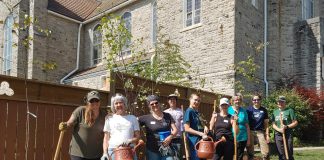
(294,101)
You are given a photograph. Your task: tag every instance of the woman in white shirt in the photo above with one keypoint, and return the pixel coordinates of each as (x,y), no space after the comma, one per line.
(120,128)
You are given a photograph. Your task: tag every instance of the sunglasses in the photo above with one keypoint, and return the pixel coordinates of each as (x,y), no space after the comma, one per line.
(94,101)
(156,103)
(256,100)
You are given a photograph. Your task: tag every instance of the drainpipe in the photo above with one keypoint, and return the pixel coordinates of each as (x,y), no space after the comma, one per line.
(265,48)
(78,57)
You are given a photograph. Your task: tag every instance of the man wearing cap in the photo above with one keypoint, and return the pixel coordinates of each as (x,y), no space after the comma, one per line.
(87,123)
(259,127)
(177,115)
(289,121)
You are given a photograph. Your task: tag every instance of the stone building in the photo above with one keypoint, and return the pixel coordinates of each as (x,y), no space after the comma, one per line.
(213,36)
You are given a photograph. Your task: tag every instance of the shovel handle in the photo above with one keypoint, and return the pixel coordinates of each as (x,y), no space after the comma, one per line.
(59,145)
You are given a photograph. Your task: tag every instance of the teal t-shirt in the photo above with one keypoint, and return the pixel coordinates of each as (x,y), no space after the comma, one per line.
(288,116)
(242,120)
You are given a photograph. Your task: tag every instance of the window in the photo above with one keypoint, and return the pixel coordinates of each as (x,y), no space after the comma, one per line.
(255,3)
(97,45)
(127,17)
(7,49)
(192,9)
(154,23)
(307,9)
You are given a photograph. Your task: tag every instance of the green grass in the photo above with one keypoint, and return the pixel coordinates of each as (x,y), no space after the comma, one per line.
(317,154)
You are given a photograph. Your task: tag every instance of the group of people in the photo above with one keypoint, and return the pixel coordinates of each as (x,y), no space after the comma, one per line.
(96,135)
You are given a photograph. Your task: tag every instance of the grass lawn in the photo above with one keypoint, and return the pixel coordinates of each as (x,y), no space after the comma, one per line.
(317,154)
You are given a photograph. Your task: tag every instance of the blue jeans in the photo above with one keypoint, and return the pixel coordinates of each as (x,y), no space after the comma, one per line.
(156,156)
(112,154)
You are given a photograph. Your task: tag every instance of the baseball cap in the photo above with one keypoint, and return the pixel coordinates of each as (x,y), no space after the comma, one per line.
(93,95)
(223,101)
(282,98)
(172,96)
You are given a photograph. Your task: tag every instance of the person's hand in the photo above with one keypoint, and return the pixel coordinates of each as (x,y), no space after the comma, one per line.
(203,136)
(167,141)
(104,157)
(63,126)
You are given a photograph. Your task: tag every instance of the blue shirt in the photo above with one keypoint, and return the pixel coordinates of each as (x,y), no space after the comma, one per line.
(192,118)
(242,120)
(257,117)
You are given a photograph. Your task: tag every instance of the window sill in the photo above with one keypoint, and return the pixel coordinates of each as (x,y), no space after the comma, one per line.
(191,27)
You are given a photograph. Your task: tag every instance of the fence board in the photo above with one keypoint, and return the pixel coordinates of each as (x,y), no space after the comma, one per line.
(40,122)
(32,134)
(3,130)
(67,111)
(21,135)
(49,122)
(11,128)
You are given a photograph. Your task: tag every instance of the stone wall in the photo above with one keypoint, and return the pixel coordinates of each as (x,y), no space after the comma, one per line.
(249,29)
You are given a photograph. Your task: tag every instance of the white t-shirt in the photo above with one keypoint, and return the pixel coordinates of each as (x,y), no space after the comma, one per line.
(120,128)
(177,116)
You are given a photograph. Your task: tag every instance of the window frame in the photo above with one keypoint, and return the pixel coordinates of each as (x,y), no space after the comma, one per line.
(94,44)
(193,13)
(154,23)
(7,45)
(126,49)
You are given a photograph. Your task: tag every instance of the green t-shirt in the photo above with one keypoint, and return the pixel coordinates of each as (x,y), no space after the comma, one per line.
(288,115)
(87,140)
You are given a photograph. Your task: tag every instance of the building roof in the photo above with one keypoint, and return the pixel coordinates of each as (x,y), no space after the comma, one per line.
(81,9)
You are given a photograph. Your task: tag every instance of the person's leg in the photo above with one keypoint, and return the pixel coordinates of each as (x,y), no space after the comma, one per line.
(228,150)
(111,153)
(279,145)
(290,146)
(219,151)
(250,149)
(264,147)
(240,149)
(152,155)
(193,153)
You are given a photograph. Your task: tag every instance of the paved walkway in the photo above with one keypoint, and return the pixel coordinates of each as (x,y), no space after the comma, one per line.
(300,148)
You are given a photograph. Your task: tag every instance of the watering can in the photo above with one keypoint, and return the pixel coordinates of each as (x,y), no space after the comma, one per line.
(206,148)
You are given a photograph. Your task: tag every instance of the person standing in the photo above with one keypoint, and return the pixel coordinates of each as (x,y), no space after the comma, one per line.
(120,128)
(158,123)
(177,116)
(222,124)
(259,127)
(289,122)
(243,137)
(87,122)
(193,125)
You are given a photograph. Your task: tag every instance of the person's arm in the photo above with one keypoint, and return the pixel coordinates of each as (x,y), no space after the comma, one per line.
(71,121)
(105,143)
(212,121)
(275,127)
(248,134)
(188,129)
(266,127)
(174,132)
(293,124)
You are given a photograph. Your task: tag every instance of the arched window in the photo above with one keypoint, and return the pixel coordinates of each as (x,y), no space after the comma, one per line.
(127,17)
(97,45)
(7,47)
(154,23)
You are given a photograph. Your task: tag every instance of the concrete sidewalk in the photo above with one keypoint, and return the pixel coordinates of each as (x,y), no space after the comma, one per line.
(300,148)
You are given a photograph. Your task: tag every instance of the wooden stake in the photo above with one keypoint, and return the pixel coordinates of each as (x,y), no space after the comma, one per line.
(284,137)
(59,145)
(186,147)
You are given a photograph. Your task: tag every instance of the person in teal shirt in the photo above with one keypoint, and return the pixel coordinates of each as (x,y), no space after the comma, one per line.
(243,137)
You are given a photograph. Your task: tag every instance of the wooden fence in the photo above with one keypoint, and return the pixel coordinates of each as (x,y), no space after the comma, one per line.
(52,104)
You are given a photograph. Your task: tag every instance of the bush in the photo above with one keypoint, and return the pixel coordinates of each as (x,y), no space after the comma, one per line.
(294,101)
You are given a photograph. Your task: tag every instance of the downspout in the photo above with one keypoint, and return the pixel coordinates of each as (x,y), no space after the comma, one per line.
(265,48)
(78,57)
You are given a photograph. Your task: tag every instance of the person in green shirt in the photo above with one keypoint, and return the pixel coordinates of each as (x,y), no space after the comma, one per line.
(289,121)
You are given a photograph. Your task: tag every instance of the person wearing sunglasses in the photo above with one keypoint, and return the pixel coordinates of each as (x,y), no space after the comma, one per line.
(87,123)
(243,137)
(160,129)
(120,128)
(259,127)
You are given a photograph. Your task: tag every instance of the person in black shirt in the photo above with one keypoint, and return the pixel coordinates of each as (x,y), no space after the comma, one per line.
(222,123)
(156,123)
